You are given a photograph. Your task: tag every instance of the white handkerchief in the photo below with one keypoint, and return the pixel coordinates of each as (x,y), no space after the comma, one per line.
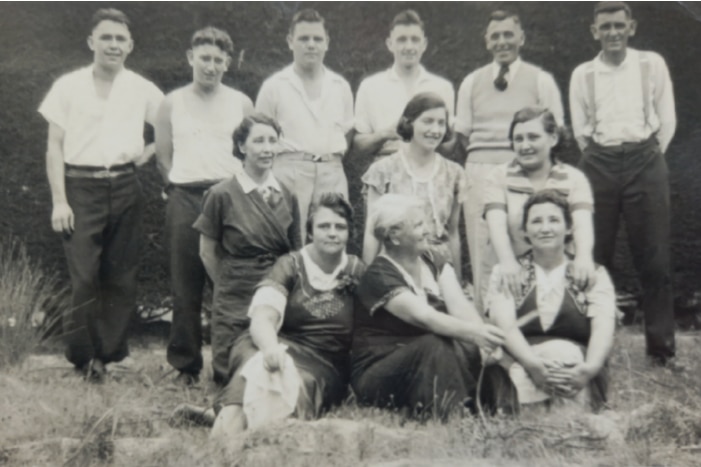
(269,396)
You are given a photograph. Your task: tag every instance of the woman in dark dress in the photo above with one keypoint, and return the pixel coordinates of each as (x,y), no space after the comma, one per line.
(558,334)
(417,339)
(247,222)
(301,320)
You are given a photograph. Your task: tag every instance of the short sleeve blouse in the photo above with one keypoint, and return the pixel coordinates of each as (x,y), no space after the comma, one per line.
(440,192)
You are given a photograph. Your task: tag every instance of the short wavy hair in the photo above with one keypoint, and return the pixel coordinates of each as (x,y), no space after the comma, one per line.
(242,132)
(551,196)
(390,213)
(308,15)
(419,104)
(407,18)
(213,36)
(109,14)
(546,117)
(337,203)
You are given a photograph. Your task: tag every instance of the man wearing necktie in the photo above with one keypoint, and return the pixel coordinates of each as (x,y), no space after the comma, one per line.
(487,100)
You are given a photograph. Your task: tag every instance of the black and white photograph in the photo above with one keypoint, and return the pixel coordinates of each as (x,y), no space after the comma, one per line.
(350,233)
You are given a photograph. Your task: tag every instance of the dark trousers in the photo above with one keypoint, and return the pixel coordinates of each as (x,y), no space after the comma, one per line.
(102,255)
(187,278)
(632,180)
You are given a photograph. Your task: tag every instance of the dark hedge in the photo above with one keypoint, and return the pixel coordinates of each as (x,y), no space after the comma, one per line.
(41,41)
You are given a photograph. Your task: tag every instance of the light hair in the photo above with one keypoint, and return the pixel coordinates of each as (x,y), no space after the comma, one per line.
(390,213)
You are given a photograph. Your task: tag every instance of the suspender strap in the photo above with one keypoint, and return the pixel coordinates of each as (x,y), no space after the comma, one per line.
(645,82)
(645,77)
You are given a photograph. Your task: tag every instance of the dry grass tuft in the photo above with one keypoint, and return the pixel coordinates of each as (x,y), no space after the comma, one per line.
(26,293)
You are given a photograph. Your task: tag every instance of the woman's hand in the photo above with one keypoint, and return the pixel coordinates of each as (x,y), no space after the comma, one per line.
(510,277)
(274,359)
(583,272)
(487,337)
(539,373)
(567,381)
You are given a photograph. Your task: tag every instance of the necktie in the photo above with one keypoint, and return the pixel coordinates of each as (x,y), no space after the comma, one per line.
(500,83)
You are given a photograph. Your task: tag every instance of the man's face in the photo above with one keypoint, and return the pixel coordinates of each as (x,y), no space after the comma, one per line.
(308,43)
(613,30)
(208,63)
(407,43)
(111,43)
(504,40)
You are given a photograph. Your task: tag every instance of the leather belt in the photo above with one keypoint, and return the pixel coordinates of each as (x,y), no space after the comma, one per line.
(309,157)
(79,171)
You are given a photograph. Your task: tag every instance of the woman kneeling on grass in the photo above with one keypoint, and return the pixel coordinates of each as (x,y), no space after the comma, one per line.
(558,335)
(417,341)
(294,357)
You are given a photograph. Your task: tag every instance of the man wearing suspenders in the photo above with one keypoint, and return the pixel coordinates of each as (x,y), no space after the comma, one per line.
(623,118)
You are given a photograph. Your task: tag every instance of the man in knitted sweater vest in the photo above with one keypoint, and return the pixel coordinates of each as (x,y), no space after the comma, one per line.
(487,100)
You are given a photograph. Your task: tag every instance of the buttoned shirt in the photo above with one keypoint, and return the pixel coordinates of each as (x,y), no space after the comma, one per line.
(101,132)
(619,113)
(317,126)
(382,97)
(548,95)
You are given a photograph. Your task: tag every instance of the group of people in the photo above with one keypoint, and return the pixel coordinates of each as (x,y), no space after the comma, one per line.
(257,200)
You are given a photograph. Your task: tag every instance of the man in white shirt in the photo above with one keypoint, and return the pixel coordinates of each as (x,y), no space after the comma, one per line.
(96,119)
(194,148)
(623,118)
(382,97)
(488,98)
(314,107)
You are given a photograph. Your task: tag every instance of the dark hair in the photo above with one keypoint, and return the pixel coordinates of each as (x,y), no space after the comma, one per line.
(501,15)
(244,129)
(419,104)
(213,36)
(109,14)
(407,18)
(308,15)
(612,7)
(552,196)
(546,117)
(335,202)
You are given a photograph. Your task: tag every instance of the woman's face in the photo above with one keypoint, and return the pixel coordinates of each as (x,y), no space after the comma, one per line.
(533,144)
(414,234)
(329,232)
(546,227)
(260,147)
(430,128)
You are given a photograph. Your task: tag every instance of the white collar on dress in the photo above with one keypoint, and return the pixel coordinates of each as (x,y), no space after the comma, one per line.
(248,184)
(317,277)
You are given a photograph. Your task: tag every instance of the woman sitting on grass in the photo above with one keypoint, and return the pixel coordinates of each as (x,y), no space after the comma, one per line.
(558,334)
(417,341)
(294,357)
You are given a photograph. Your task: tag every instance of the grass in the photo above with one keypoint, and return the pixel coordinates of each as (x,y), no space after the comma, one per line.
(26,292)
(655,419)
(50,416)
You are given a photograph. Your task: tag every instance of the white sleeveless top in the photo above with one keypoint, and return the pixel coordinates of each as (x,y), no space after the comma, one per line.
(203,149)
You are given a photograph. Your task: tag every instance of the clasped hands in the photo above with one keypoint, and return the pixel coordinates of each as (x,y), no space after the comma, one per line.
(559,378)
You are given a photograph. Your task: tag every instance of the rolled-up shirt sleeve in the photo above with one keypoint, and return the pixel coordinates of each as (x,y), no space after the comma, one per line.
(601,298)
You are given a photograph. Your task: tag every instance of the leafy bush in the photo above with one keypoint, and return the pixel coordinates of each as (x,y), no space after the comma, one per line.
(27,293)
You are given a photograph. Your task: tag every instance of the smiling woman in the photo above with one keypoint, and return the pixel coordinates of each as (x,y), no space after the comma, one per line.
(418,170)
(533,134)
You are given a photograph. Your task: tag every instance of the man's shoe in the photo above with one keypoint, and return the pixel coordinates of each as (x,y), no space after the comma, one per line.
(186,414)
(95,371)
(671,363)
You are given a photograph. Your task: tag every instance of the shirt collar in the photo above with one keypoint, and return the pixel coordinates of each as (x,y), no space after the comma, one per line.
(289,74)
(513,67)
(394,76)
(248,184)
(317,277)
(600,65)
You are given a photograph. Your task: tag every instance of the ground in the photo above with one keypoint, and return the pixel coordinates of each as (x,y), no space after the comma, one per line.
(50,416)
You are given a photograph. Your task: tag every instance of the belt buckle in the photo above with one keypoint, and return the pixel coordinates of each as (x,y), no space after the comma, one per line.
(317,158)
